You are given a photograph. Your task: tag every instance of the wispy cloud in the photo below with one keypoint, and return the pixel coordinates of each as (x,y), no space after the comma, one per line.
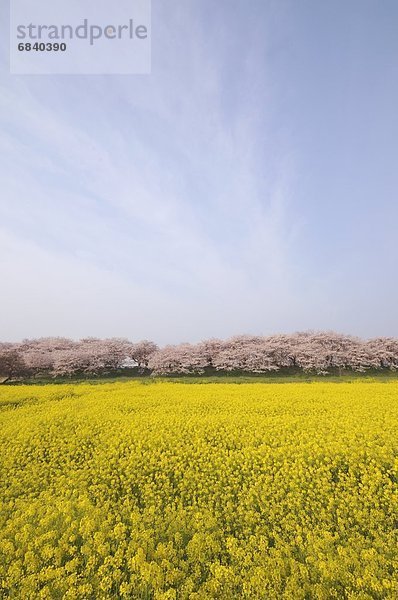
(159,205)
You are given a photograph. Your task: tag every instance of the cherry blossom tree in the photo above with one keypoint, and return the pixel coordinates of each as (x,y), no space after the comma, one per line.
(244,353)
(384,352)
(92,356)
(11,362)
(39,354)
(141,352)
(185,359)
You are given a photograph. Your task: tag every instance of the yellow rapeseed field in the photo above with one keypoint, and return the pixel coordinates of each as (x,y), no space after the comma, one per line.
(199,491)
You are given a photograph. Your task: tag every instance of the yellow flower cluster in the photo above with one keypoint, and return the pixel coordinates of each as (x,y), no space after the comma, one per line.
(182,491)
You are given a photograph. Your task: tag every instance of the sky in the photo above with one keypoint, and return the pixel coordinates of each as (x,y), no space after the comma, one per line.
(248,185)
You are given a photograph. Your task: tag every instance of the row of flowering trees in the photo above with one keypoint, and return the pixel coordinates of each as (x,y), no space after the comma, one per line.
(319,352)
(62,357)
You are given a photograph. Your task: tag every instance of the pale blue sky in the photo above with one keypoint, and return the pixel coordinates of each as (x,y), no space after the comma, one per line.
(248,185)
